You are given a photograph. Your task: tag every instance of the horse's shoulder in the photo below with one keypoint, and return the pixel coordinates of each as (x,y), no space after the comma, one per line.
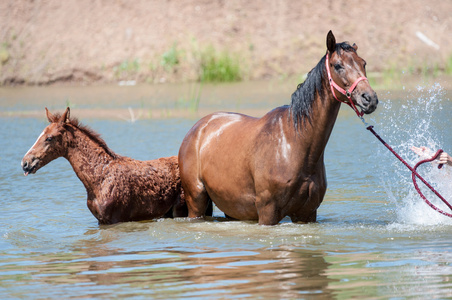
(226,116)
(275,116)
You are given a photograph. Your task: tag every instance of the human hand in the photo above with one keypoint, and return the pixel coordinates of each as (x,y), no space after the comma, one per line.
(445,159)
(422,151)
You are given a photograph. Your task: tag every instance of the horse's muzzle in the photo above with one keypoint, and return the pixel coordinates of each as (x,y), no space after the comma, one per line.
(368,102)
(29,166)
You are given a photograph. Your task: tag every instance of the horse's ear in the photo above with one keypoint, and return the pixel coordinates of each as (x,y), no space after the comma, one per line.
(330,42)
(355,47)
(49,115)
(65,116)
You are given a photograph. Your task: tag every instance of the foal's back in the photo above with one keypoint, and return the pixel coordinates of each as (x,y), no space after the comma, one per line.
(135,190)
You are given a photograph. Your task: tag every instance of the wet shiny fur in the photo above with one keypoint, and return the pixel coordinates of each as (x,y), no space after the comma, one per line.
(267,168)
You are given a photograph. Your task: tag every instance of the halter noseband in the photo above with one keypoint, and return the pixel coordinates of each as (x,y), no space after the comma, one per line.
(346,93)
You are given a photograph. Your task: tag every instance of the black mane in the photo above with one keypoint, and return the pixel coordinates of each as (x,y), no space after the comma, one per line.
(304,96)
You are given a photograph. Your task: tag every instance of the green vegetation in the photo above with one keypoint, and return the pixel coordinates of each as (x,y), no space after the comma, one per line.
(127,68)
(208,64)
(191,101)
(4,53)
(394,75)
(448,67)
(171,58)
(219,66)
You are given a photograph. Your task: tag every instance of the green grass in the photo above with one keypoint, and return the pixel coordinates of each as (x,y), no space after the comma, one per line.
(448,67)
(171,58)
(192,99)
(127,68)
(219,66)
(393,75)
(4,53)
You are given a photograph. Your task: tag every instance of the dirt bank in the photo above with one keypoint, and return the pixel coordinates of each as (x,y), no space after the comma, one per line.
(89,42)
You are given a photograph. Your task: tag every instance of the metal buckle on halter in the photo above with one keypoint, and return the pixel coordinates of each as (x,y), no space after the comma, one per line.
(348,94)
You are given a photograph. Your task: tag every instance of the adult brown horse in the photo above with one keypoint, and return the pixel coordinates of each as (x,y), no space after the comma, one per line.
(119,188)
(271,167)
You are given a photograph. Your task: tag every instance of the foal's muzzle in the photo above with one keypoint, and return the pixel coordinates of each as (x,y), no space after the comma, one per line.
(29,165)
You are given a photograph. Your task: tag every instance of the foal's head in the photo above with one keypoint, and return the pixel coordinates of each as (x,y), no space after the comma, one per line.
(49,145)
(348,72)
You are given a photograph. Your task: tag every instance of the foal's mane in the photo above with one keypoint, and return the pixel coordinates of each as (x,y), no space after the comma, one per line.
(304,96)
(90,133)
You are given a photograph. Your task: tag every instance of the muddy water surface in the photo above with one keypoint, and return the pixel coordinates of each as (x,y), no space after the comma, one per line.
(374,237)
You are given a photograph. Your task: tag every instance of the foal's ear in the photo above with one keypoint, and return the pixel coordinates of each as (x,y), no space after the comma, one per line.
(49,115)
(330,42)
(355,47)
(65,116)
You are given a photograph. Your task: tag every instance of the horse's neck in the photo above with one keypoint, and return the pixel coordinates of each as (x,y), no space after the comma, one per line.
(87,159)
(317,132)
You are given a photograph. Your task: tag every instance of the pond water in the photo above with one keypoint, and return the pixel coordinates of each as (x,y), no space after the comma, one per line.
(374,238)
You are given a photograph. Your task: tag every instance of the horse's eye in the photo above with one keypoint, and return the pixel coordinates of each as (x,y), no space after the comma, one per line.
(338,67)
(49,138)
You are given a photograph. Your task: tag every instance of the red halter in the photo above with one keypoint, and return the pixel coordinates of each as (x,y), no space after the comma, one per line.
(346,93)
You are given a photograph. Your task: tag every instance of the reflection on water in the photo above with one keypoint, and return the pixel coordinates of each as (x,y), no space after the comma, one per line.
(286,261)
(368,242)
(172,274)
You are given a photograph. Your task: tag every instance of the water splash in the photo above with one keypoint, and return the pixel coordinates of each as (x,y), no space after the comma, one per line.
(412,120)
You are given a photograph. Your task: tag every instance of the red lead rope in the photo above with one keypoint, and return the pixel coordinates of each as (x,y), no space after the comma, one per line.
(415,174)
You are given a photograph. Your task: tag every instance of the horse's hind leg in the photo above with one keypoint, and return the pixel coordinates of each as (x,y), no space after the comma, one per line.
(197,200)
(197,205)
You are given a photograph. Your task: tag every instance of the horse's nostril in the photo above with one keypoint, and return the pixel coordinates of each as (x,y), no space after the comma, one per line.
(366,97)
(25,165)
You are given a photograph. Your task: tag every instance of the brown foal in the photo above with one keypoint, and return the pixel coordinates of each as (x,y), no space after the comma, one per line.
(119,188)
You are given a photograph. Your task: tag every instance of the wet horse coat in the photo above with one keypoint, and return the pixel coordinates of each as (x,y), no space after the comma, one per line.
(119,188)
(271,167)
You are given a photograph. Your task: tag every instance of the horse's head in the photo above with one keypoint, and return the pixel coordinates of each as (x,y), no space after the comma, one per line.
(347,76)
(49,145)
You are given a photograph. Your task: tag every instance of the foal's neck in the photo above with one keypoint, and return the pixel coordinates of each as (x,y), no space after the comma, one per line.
(87,158)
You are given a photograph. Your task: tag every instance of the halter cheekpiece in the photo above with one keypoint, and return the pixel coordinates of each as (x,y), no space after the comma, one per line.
(346,93)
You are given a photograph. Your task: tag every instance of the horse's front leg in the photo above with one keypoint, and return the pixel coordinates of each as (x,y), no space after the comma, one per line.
(315,193)
(268,209)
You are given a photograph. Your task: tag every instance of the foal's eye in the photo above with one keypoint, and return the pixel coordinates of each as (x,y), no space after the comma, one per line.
(338,67)
(49,138)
